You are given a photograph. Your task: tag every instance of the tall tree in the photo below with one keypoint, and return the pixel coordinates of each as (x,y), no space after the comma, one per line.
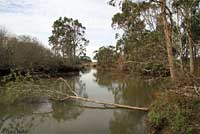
(165,13)
(188,9)
(68,38)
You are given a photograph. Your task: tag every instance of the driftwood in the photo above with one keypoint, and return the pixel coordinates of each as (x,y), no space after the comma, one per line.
(104,103)
(76,97)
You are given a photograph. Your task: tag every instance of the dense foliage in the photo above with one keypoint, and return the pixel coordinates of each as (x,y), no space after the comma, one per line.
(25,52)
(106,56)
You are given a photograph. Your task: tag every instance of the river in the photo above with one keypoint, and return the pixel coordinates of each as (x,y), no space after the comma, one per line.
(75,117)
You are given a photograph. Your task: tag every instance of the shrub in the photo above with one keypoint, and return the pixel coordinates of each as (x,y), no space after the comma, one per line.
(174,112)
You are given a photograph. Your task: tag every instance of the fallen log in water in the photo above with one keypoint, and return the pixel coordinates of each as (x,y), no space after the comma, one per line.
(76,97)
(104,103)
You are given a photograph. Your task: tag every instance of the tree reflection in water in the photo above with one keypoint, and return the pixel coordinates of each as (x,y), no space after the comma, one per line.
(127,122)
(20,117)
(25,116)
(129,91)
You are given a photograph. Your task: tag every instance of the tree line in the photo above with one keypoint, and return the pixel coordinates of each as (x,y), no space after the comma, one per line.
(27,53)
(165,32)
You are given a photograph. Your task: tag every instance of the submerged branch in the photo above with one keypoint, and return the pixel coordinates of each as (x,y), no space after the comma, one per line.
(71,90)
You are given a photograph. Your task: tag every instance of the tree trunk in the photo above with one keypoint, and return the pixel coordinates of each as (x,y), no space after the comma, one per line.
(181,55)
(168,39)
(74,54)
(191,52)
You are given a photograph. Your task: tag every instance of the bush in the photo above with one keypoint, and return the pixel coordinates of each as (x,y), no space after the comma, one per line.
(174,112)
(156,118)
(154,67)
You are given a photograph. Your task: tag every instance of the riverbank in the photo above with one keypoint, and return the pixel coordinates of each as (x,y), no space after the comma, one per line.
(37,73)
(175,112)
(151,70)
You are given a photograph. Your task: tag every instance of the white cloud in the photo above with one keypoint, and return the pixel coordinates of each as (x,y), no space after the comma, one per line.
(35,17)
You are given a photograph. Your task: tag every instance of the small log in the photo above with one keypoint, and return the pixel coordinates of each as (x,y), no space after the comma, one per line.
(103,103)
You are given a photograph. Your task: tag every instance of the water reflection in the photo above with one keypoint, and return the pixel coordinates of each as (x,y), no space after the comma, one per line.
(130,91)
(25,116)
(65,111)
(47,117)
(20,117)
(127,122)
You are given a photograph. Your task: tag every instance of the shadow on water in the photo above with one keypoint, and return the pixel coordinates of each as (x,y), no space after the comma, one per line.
(47,117)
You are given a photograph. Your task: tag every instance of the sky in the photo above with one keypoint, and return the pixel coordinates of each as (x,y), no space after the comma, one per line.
(36,17)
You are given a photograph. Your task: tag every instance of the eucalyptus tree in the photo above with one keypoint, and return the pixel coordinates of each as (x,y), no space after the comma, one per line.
(150,13)
(143,37)
(180,22)
(68,38)
(188,10)
(168,28)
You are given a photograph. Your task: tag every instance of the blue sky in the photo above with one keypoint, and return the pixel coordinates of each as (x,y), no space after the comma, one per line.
(35,18)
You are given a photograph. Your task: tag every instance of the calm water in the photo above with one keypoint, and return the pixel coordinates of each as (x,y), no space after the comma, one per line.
(72,117)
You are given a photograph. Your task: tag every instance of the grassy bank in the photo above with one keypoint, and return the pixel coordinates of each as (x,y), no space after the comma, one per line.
(175,113)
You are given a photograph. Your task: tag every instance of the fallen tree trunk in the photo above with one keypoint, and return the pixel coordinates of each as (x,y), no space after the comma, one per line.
(104,103)
(76,97)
